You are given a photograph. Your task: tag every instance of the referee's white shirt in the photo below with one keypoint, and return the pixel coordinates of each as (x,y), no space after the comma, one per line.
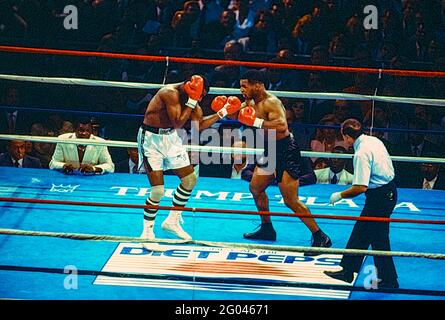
(372,165)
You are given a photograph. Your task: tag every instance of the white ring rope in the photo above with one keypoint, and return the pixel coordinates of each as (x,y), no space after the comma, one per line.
(196,148)
(229,91)
(96,237)
(127,144)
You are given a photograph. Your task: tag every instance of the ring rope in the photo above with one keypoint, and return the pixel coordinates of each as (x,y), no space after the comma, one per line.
(398,72)
(225,211)
(228,91)
(95,237)
(127,144)
(197,148)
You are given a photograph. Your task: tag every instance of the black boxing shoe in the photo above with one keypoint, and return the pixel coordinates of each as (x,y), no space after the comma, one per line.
(342,275)
(265,232)
(319,240)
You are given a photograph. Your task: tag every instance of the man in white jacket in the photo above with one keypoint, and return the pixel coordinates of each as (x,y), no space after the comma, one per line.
(88,159)
(336,172)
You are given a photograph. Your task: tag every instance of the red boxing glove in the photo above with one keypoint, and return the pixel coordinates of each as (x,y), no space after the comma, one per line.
(232,105)
(218,103)
(194,89)
(248,117)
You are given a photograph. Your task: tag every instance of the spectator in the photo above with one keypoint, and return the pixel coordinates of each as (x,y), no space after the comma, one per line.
(42,150)
(400,85)
(386,53)
(12,121)
(397,118)
(67,126)
(415,146)
(137,70)
(318,108)
(12,24)
(210,11)
(354,33)
(281,79)
(362,85)
(433,176)
(380,117)
(216,34)
(298,109)
(185,25)
(390,28)
(16,156)
(233,50)
(321,163)
(338,48)
(342,111)
(262,37)
(408,20)
(88,159)
(327,138)
(131,164)
(243,24)
(320,56)
(220,79)
(160,12)
(136,100)
(336,172)
(430,115)
(301,38)
(416,48)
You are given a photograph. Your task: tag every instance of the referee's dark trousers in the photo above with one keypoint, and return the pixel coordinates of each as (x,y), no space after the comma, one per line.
(380,202)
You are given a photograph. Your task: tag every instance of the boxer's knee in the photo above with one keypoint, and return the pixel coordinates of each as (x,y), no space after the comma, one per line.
(255,190)
(189,181)
(290,200)
(157,192)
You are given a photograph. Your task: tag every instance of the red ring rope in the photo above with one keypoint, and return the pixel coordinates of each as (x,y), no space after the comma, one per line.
(140,206)
(412,73)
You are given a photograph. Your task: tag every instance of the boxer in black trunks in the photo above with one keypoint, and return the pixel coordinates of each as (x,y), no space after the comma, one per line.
(264,110)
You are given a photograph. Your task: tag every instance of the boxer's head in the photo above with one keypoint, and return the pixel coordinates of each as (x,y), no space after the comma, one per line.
(252,83)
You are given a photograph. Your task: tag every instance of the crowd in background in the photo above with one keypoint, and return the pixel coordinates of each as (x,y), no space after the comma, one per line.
(410,35)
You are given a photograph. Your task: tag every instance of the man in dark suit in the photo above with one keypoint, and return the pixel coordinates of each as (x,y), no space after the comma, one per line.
(12,121)
(416,146)
(431,176)
(16,156)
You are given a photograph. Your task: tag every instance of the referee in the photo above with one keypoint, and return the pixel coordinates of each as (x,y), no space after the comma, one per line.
(373,175)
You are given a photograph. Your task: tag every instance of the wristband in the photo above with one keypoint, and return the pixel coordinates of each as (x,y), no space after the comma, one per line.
(258,123)
(191,103)
(222,113)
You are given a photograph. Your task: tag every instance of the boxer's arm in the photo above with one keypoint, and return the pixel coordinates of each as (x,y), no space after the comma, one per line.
(176,113)
(275,115)
(202,122)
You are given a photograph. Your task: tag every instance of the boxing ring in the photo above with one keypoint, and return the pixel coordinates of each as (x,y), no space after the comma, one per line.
(49,267)
(71,237)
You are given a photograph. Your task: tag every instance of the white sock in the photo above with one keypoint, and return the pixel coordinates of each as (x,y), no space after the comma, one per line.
(173,214)
(148,224)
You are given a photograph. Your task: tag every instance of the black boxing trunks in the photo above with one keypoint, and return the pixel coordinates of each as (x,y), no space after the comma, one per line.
(288,158)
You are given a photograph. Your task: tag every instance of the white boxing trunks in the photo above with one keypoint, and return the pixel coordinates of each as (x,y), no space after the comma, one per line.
(162,149)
